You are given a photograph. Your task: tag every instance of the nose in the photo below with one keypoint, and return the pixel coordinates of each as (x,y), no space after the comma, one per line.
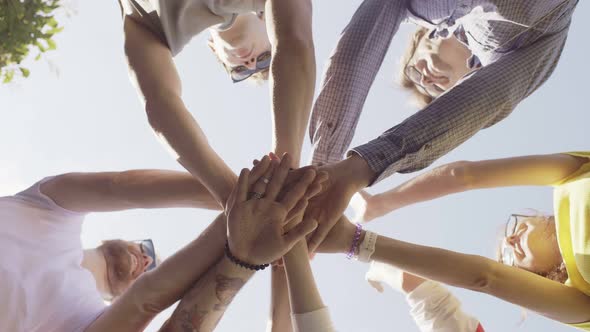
(250,64)
(512,240)
(241,52)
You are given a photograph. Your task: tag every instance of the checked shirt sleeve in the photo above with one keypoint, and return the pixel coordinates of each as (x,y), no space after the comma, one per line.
(350,72)
(479,101)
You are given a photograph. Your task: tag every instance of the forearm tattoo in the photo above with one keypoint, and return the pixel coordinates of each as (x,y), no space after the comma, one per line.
(198,311)
(225,290)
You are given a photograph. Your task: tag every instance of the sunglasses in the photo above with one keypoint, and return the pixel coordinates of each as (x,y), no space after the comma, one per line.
(508,257)
(241,73)
(147,248)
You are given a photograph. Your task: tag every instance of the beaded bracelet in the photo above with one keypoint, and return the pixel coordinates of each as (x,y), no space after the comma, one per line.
(355,241)
(238,262)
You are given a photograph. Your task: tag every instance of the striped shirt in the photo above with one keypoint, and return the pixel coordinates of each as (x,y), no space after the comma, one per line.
(518,44)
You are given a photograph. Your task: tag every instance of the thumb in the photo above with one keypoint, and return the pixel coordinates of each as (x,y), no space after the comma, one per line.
(299,232)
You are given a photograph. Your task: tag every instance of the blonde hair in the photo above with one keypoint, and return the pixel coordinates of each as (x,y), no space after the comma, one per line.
(420,99)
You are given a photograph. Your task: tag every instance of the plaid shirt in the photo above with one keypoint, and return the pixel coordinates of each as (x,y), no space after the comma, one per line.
(517,42)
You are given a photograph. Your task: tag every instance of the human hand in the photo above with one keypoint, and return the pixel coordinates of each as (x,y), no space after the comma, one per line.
(256,215)
(397,279)
(295,175)
(365,206)
(345,178)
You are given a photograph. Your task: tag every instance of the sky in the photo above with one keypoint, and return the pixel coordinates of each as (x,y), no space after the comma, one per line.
(79,112)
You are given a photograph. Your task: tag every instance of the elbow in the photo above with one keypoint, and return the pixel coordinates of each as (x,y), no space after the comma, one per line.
(483,280)
(295,43)
(146,299)
(157,109)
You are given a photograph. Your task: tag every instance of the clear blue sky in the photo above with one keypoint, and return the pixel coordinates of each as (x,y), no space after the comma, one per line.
(80,113)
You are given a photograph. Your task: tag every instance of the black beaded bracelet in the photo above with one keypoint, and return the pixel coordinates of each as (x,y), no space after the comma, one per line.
(238,262)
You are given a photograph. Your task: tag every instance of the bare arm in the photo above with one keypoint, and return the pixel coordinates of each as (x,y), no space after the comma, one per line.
(523,288)
(158,289)
(280,313)
(113,191)
(155,76)
(293,71)
(466,175)
(204,305)
(303,292)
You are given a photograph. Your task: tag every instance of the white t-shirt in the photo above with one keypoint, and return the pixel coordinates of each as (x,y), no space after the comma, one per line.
(42,284)
(181,20)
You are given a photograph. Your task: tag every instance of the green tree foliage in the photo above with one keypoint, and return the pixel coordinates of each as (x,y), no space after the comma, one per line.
(25,26)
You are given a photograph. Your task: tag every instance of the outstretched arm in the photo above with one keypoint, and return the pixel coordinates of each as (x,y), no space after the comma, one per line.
(153,71)
(280,309)
(556,301)
(292,73)
(204,305)
(307,307)
(469,175)
(523,288)
(112,191)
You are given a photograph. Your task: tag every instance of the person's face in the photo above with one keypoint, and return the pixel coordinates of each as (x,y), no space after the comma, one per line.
(125,262)
(441,63)
(534,244)
(241,44)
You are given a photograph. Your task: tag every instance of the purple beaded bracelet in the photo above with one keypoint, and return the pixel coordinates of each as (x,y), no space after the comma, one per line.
(355,241)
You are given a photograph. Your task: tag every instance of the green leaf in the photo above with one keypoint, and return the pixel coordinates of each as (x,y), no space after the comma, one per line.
(25,72)
(52,22)
(8,76)
(51,44)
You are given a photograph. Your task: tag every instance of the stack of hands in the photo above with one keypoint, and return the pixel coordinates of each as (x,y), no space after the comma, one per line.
(273,207)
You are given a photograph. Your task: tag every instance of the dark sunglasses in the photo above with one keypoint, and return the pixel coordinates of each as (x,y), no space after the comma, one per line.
(241,73)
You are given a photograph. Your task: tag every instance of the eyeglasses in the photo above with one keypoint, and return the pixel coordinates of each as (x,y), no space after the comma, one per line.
(147,248)
(508,257)
(241,73)
(416,77)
